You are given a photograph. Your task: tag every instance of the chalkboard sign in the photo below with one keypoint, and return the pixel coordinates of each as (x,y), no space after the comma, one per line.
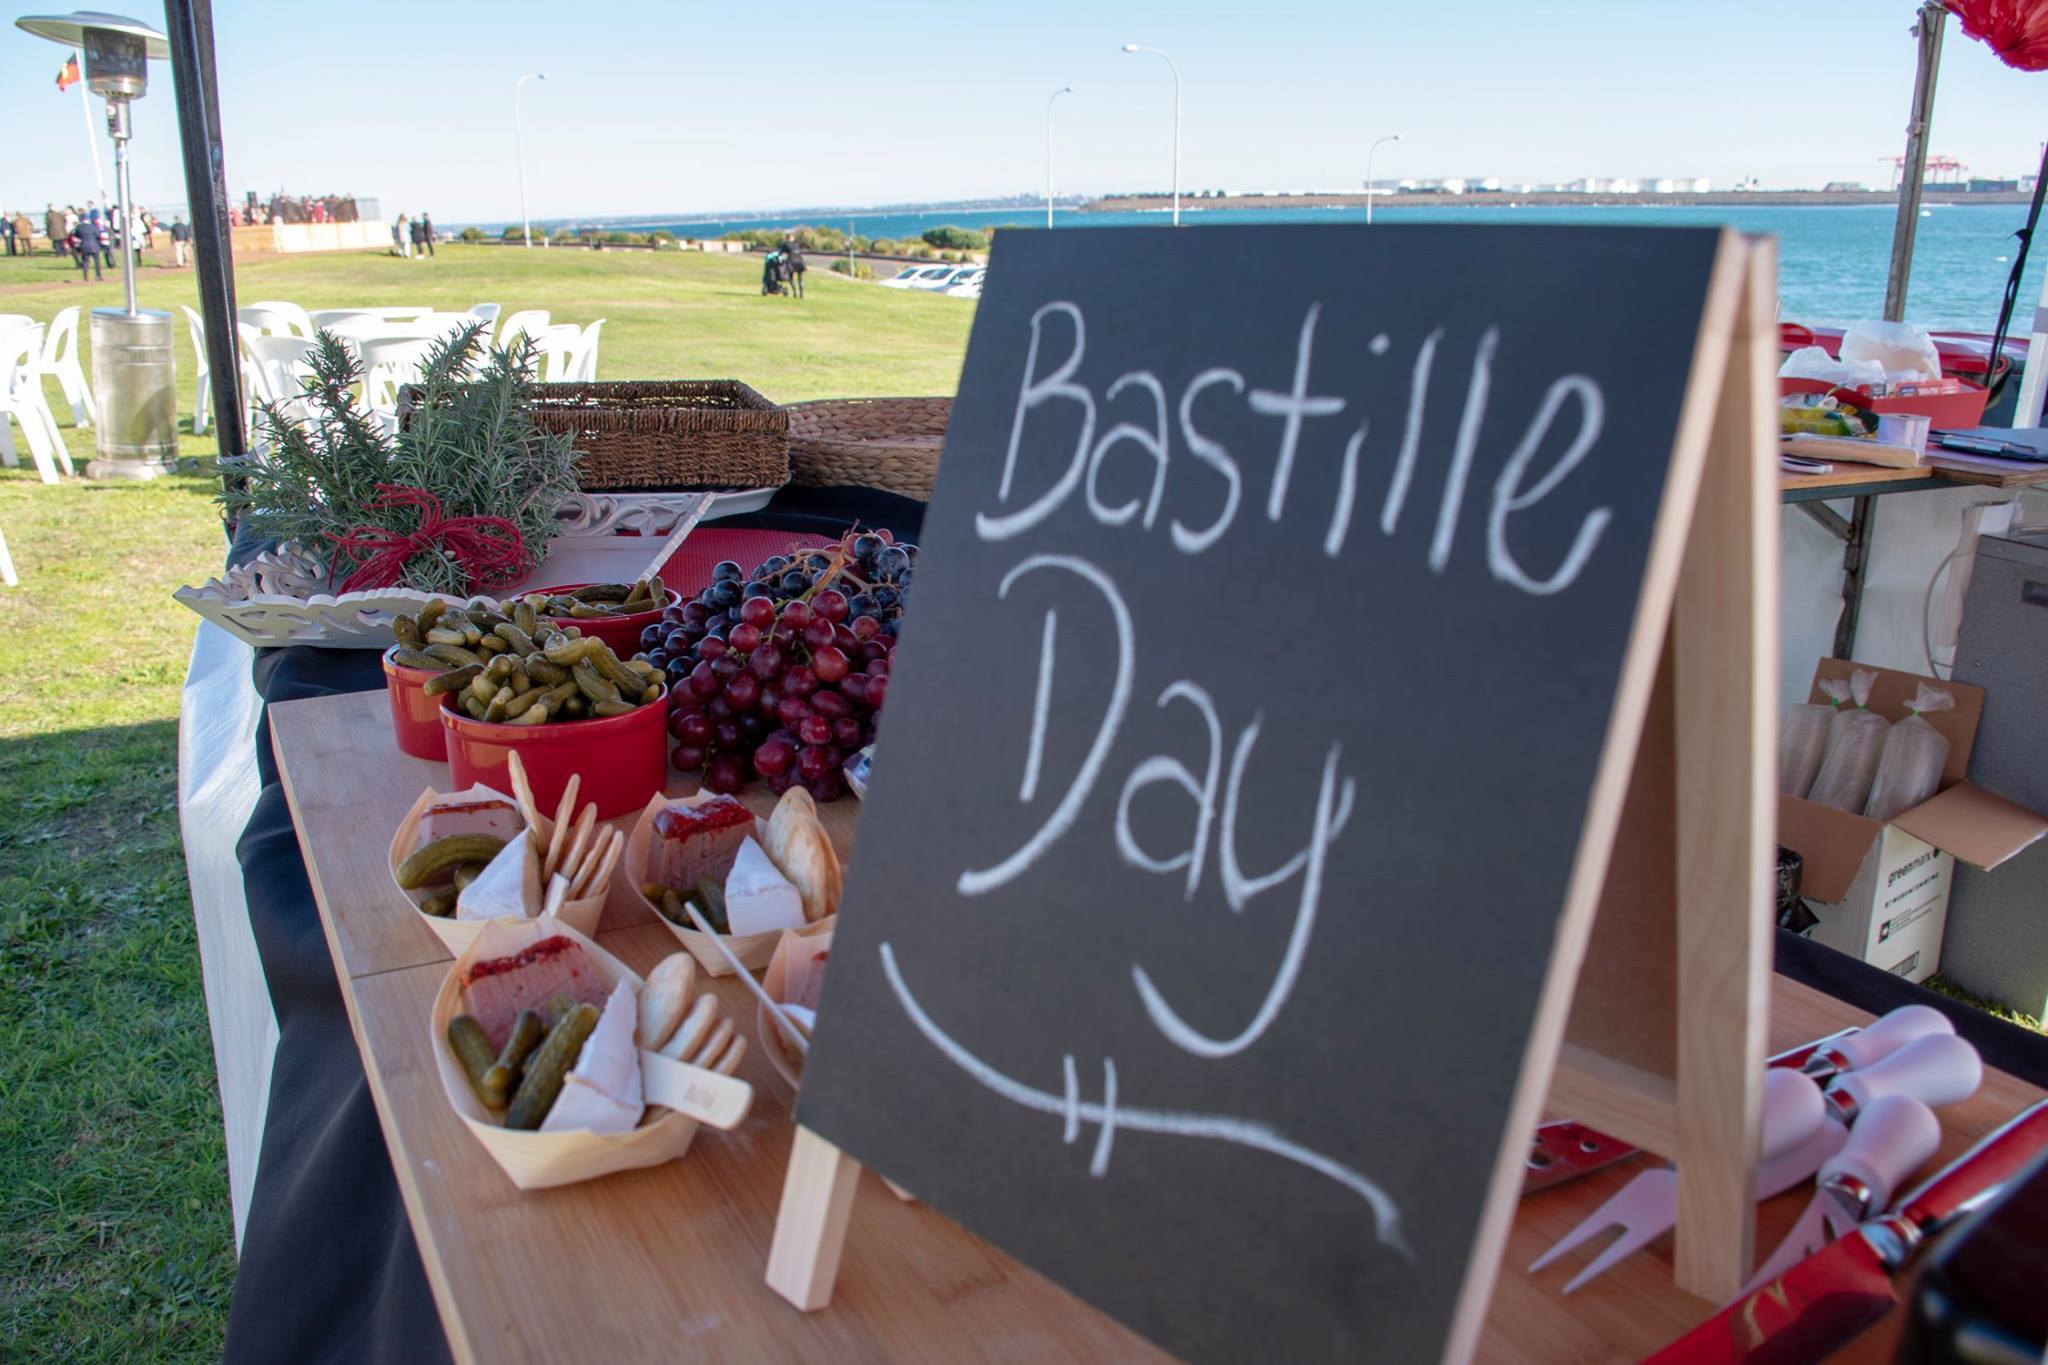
(1273,602)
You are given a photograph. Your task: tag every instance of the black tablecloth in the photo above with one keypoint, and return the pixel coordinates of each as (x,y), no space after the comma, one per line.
(329,1271)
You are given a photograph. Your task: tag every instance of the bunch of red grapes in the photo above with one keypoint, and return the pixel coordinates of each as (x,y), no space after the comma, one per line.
(782,672)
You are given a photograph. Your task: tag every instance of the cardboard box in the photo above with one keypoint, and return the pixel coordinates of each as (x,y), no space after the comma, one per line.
(1881,890)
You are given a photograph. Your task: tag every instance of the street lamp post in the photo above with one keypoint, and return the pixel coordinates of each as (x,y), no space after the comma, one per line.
(1063,90)
(1369,191)
(1133,47)
(519,152)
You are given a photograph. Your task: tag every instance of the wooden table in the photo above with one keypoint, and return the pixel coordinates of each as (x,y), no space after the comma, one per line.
(666,1263)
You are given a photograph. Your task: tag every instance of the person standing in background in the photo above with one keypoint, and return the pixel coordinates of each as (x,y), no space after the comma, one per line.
(793,264)
(91,246)
(401,232)
(25,233)
(54,225)
(181,241)
(7,230)
(419,240)
(148,230)
(427,231)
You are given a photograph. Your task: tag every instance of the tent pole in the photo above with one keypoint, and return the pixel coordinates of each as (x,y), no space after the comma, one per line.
(1933,20)
(189,26)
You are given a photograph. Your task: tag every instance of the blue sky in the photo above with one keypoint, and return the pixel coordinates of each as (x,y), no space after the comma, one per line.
(688,107)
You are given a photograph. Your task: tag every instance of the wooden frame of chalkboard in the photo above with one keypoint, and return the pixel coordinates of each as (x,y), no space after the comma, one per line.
(1649,1021)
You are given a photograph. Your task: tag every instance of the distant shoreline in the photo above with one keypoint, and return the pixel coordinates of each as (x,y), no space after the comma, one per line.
(1506,198)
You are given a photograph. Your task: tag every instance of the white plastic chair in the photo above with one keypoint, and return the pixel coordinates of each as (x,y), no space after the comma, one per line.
(7,575)
(23,405)
(583,362)
(8,320)
(487,314)
(530,323)
(60,362)
(195,327)
(389,362)
(296,318)
(558,347)
(265,320)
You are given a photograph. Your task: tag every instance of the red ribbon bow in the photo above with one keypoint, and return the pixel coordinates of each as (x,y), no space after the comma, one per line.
(489,549)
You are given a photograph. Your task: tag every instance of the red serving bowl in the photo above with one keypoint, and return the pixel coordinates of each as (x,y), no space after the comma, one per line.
(623,759)
(415,716)
(622,633)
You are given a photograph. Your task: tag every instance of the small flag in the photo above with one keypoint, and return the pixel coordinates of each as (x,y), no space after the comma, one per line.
(67,75)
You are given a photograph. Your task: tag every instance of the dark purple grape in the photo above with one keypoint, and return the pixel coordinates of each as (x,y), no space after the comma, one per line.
(854,687)
(725,774)
(818,633)
(671,616)
(799,681)
(678,669)
(692,613)
(877,668)
(874,649)
(691,727)
(653,635)
(845,641)
(792,710)
(830,704)
(704,683)
(774,756)
(866,628)
(766,661)
(726,667)
(814,729)
(796,615)
(813,761)
(846,732)
(744,637)
(878,690)
(830,664)
(725,734)
(782,781)
(827,786)
(771,698)
(758,612)
(830,604)
(711,647)
(743,692)
(752,727)
(658,657)
(687,758)
(727,569)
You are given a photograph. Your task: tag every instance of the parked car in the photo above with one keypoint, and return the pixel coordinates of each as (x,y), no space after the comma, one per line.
(946,277)
(968,286)
(917,276)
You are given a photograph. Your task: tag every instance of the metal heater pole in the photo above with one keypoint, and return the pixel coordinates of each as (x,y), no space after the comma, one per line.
(189,25)
(1933,19)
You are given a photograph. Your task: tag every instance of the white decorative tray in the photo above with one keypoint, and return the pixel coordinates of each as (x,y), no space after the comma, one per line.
(277,598)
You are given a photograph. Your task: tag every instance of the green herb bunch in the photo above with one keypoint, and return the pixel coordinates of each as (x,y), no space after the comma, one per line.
(470,441)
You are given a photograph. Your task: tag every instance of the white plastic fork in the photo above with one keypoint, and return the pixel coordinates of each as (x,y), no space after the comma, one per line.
(1797,1137)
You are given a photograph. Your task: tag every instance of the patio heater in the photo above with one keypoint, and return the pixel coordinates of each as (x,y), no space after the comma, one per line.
(134,374)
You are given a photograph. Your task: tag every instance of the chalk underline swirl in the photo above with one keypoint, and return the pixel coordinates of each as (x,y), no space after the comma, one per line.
(1114,1117)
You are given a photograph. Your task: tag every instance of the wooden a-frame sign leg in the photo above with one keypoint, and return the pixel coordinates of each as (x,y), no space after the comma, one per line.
(1656,1032)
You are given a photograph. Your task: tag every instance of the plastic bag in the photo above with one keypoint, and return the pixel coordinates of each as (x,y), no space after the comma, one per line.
(1855,747)
(1914,752)
(1901,350)
(1803,738)
(1811,362)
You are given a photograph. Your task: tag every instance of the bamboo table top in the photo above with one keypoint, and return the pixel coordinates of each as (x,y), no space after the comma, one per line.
(665,1263)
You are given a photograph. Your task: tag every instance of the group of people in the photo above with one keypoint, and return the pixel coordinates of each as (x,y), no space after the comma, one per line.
(783,269)
(91,236)
(413,238)
(293,208)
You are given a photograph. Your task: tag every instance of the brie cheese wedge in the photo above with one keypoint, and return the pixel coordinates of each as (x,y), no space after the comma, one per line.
(602,1093)
(507,888)
(758,898)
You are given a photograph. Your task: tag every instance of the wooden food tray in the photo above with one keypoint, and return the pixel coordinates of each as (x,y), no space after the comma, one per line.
(667,1262)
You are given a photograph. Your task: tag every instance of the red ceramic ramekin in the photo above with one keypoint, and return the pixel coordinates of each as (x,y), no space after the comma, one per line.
(415,716)
(622,633)
(623,759)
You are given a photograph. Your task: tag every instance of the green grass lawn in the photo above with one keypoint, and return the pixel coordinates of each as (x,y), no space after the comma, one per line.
(115,1232)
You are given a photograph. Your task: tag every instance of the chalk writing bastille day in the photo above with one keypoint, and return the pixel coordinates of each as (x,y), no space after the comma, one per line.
(1213,776)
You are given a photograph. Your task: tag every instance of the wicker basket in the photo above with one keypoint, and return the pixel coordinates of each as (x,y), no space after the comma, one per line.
(887,443)
(663,433)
